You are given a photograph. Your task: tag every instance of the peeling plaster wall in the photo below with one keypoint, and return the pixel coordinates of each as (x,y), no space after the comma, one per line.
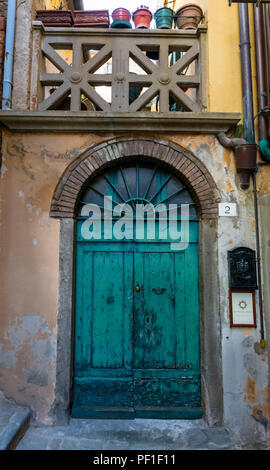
(29,253)
(264,214)
(245,364)
(29,276)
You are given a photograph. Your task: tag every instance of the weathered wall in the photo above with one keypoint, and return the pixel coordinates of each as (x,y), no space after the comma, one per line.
(245,364)
(29,265)
(29,276)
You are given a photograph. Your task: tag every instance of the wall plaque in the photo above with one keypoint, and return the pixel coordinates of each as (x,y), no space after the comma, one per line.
(242,268)
(227,209)
(242,308)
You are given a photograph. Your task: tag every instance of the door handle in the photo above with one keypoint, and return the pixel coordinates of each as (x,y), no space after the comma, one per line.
(137,288)
(158,290)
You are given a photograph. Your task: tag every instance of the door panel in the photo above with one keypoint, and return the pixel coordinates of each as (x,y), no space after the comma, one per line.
(103,375)
(158,373)
(154,311)
(166,332)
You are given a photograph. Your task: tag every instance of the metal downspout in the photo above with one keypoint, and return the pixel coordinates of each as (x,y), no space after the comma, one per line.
(249,133)
(258,243)
(261,57)
(247,95)
(9,49)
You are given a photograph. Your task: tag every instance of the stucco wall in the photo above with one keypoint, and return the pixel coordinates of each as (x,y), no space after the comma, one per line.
(29,265)
(29,276)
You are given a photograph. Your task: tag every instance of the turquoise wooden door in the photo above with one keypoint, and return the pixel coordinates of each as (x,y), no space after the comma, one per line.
(136,314)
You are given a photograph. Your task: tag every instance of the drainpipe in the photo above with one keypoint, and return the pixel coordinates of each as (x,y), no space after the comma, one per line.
(230,143)
(9,48)
(249,132)
(259,270)
(261,85)
(247,95)
(78,5)
(245,151)
(245,157)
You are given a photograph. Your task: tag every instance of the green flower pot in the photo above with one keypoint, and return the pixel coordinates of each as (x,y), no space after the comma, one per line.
(164,18)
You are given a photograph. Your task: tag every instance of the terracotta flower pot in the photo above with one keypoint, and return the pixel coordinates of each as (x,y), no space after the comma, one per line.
(91,19)
(55,17)
(121,14)
(142,18)
(189,16)
(121,18)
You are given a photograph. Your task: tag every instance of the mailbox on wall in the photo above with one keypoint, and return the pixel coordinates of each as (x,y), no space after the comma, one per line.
(242,269)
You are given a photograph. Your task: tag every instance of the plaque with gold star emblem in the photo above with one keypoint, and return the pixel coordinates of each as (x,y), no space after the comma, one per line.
(242,308)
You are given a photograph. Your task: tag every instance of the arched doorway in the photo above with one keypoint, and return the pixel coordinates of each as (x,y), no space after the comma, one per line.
(137,341)
(93,161)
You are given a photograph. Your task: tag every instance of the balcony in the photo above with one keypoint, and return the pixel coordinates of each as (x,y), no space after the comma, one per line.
(118,80)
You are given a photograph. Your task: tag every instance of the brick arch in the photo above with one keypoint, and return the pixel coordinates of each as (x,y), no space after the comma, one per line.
(94,159)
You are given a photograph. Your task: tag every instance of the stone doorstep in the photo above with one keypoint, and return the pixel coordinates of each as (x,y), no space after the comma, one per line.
(14,422)
(138,434)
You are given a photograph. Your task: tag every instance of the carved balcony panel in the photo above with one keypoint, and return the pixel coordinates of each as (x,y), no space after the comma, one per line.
(116,71)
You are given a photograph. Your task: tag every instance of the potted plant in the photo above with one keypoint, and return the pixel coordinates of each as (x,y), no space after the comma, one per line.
(91,18)
(121,18)
(188,16)
(55,17)
(142,17)
(164,18)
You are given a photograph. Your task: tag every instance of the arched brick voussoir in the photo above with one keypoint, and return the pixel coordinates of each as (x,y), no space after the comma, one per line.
(97,157)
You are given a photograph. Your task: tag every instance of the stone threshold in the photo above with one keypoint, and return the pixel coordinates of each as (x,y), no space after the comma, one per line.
(67,121)
(125,434)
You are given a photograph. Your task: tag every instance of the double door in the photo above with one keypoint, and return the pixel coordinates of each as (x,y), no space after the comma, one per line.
(136,331)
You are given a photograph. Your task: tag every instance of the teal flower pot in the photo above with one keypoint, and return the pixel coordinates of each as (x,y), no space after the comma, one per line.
(121,24)
(164,18)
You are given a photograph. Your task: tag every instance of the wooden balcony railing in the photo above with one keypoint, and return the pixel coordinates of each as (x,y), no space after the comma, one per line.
(110,70)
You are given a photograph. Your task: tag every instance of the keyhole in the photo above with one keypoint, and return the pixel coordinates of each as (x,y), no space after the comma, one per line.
(147,319)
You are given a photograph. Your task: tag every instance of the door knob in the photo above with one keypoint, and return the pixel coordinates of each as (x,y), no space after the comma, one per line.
(137,288)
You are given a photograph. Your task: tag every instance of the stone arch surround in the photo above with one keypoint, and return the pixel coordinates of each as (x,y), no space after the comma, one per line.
(201,184)
(94,159)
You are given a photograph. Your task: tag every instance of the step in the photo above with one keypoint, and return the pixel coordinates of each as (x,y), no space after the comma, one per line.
(14,422)
(137,434)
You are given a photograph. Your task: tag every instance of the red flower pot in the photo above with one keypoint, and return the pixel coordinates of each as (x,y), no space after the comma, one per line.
(142,18)
(55,17)
(91,19)
(121,14)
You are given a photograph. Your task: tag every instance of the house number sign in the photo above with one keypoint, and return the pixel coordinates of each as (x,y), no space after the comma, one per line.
(227,209)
